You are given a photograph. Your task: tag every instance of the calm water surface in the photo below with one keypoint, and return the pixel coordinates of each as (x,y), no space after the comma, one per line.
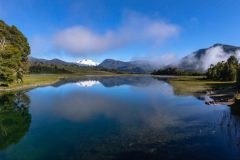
(115,118)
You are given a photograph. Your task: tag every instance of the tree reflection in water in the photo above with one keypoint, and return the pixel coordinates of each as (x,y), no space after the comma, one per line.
(14,118)
(230,124)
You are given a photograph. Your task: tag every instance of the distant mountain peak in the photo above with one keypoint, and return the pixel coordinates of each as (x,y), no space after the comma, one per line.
(217,44)
(128,67)
(87,62)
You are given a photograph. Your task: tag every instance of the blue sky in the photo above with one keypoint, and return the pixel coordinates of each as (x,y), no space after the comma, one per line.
(122,29)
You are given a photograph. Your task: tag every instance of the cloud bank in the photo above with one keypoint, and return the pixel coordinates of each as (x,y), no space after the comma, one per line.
(135,29)
(159,60)
(212,55)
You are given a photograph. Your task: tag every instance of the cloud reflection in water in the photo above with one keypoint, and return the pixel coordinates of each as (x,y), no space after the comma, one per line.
(126,113)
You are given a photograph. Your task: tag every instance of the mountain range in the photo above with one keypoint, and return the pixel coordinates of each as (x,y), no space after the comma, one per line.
(121,66)
(52,61)
(199,61)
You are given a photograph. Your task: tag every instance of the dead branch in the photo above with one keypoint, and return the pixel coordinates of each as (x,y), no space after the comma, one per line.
(2,43)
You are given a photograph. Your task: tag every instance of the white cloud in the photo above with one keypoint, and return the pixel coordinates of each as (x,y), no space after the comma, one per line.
(212,55)
(164,60)
(135,29)
(215,55)
(159,60)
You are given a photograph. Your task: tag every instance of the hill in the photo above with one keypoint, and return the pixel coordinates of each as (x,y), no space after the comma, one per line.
(52,66)
(201,59)
(57,66)
(138,67)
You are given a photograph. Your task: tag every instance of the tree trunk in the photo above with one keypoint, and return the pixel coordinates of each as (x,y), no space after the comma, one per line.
(2,43)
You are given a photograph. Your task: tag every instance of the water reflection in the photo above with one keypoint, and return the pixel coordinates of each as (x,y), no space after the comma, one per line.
(143,104)
(124,118)
(230,124)
(227,121)
(87,83)
(14,118)
(113,81)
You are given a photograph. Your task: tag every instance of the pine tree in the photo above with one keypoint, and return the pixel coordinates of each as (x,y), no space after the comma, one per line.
(14,51)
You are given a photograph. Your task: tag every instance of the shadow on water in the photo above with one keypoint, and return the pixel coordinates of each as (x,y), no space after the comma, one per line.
(14,118)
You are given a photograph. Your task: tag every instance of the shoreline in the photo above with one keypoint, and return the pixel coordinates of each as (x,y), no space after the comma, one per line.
(40,80)
(33,84)
(182,85)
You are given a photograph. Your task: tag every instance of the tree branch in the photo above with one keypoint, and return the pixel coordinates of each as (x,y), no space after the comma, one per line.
(2,43)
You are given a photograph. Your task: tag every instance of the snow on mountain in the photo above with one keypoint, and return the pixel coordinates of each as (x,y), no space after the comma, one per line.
(87,62)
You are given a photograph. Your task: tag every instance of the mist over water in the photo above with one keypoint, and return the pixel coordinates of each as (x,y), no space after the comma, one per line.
(123,118)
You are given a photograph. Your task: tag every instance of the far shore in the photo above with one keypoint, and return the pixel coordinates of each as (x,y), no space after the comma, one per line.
(182,85)
(40,80)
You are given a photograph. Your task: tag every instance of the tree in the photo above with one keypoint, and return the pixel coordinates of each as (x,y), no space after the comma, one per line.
(14,51)
(175,71)
(2,43)
(224,71)
(232,60)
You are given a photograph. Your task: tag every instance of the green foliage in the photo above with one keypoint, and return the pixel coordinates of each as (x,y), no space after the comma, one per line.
(14,118)
(175,71)
(224,71)
(232,60)
(54,68)
(14,51)
(40,67)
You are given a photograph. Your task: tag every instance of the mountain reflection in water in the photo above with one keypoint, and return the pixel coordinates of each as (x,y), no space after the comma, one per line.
(123,118)
(87,83)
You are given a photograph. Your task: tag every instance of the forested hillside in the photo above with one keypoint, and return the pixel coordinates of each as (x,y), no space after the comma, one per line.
(57,66)
(52,66)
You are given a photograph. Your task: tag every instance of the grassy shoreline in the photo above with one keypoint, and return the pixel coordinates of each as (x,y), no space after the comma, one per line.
(220,92)
(32,81)
(196,84)
(182,85)
(39,80)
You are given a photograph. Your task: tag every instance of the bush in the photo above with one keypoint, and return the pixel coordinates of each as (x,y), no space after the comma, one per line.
(175,71)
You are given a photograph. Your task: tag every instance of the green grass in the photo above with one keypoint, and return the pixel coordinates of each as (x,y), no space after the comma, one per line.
(184,85)
(36,80)
(189,85)
(31,81)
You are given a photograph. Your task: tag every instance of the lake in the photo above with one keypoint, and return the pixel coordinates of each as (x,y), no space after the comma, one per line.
(101,118)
